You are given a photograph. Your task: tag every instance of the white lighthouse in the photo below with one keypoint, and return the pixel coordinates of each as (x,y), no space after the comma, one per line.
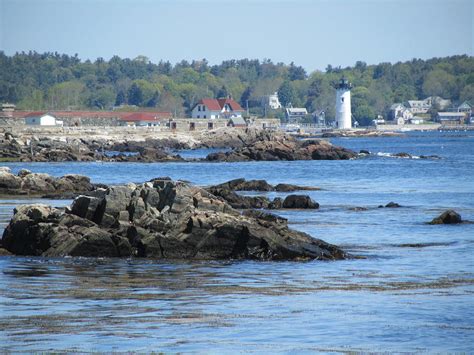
(343,104)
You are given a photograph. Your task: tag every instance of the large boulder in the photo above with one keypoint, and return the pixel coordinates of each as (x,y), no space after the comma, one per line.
(447,217)
(300,202)
(159,219)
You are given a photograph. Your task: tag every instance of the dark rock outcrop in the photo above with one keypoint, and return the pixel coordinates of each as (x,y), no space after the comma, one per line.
(392,204)
(38,184)
(158,219)
(299,202)
(447,217)
(285,148)
(261,185)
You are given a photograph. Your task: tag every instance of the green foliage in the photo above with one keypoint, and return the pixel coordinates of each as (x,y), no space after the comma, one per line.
(286,94)
(364,114)
(57,81)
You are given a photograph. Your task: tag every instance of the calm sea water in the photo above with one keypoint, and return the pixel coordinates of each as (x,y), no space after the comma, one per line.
(413,292)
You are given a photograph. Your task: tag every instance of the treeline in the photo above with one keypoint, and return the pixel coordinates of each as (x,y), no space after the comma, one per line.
(42,81)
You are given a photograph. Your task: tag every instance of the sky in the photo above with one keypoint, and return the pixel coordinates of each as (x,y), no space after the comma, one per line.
(310,33)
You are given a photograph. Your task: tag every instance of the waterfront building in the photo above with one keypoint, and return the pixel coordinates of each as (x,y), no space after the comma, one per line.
(42,119)
(140,119)
(295,114)
(400,114)
(217,108)
(451,118)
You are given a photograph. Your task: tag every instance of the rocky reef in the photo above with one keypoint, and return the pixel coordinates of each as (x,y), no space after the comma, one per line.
(44,185)
(158,219)
(285,148)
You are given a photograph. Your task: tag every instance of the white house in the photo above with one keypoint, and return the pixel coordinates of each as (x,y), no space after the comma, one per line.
(400,114)
(272,101)
(42,119)
(217,108)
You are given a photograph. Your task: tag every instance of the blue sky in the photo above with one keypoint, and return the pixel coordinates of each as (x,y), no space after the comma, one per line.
(310,33)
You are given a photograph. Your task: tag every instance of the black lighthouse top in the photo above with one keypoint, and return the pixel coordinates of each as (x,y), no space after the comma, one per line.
(343,84)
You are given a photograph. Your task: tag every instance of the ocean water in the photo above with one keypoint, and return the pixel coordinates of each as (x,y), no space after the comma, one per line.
(414,291)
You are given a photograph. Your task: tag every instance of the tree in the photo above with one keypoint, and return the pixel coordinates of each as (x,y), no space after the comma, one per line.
(296,72)
(222,93)
(246,96)
(364,115)
(135,95)
(120,99)
(439,83)
(286,94)
(154,100)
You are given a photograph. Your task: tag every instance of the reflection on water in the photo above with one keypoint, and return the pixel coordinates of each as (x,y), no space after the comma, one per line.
(414,291)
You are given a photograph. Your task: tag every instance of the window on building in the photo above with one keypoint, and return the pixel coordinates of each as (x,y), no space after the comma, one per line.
(342,99)
(199,108)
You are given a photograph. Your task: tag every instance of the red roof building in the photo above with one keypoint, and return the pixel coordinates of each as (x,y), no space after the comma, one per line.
(217,108)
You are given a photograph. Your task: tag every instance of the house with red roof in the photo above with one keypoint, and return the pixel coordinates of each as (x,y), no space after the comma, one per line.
(217,108)
(143,119)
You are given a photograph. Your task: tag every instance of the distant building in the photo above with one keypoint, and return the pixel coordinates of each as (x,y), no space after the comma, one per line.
(272,101)
(418,106)
(217,108)
(399,113)
(237,122)
(319,117)
(42,119)
(295,114)
(140,119)
(465,107)
(416,120)
(423,106)
(451,118)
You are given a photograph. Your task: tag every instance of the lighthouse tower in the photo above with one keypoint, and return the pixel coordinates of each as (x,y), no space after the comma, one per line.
(343,104)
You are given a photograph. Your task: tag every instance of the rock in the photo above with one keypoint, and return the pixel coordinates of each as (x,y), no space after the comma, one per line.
(9,182)
(261,185)
(285,148)
(447,217)
(4,252)
(291,188)
(300,202)
(359,209)
(23,172)
(159,219)
(402,155)
(276,204)
(364,152)
(240,201)
(5,169)
(44,185)
(392,205)
(244,185)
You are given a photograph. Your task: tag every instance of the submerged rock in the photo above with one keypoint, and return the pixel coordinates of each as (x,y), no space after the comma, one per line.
(447,217)
(158,219)
(392,204)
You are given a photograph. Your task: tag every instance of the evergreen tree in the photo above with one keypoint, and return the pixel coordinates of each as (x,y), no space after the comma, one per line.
(135,95)
(286,94)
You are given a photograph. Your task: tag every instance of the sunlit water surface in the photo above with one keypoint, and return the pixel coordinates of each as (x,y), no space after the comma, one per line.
(413,292)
